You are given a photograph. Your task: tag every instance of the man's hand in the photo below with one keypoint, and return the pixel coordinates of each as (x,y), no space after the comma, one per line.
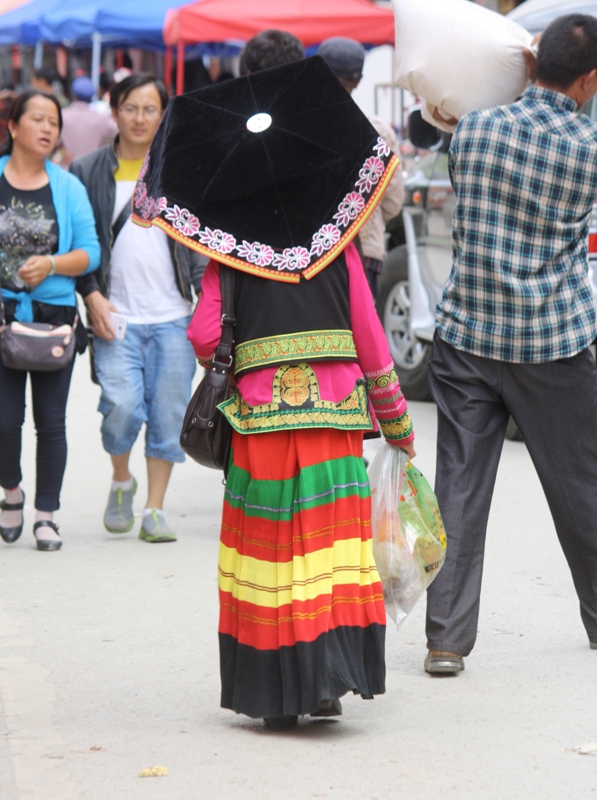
(35,270)
(446,120)
(409,449)
(530,57)
(99,308)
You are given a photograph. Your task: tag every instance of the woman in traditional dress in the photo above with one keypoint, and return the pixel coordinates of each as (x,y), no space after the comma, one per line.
(302,618)
(272,175)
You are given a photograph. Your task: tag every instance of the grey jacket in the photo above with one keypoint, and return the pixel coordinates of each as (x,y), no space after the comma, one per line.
(96,172)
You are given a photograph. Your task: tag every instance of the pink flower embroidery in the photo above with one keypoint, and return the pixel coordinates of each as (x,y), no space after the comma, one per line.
(292,258)
(369,174)
(140,193)
(147,207)
(256,253)
(382,148)
(217,240)
(183,220)
(161,204)
(349,208)
(325,238)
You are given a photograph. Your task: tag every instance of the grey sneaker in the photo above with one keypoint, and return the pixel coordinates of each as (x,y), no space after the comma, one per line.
(440,662)
(155,528)
(593,645)
(118,516)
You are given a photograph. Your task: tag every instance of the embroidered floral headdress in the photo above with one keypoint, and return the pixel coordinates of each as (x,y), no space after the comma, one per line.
(273,173)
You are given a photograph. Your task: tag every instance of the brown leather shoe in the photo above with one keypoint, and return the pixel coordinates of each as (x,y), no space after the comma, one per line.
(441,662)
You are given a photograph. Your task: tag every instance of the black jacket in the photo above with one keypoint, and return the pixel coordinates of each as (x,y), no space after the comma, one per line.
(96,171)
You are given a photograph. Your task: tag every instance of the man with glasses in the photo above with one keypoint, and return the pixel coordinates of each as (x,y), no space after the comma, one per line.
(139,304)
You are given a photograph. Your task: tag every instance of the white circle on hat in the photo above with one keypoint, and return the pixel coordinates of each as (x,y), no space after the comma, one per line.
(258,123)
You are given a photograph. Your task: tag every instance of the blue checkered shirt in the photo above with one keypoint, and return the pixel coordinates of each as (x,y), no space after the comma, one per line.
(525,180)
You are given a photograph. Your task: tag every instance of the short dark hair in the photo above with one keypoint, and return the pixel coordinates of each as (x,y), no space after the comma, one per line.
(18,108)
(121,90)
(567,50)
(47,74)
(272,48)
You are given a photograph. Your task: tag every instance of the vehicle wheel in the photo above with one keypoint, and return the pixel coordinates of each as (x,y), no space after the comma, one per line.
(411,356)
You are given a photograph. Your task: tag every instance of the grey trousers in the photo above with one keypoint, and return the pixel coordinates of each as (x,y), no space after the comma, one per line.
(555,406)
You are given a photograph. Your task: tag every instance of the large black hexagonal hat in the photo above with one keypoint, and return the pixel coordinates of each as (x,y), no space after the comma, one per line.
(273,173)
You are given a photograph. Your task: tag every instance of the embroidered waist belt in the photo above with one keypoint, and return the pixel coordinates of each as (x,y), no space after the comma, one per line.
(296,403)
(336,345)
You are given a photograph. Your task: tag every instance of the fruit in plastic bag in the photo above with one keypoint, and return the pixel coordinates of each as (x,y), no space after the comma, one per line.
(409,540)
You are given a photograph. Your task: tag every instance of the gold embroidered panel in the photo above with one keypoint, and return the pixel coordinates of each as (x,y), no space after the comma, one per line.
(303,346)
(296,403)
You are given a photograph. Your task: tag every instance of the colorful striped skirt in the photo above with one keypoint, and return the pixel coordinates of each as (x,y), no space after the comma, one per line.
(302,618)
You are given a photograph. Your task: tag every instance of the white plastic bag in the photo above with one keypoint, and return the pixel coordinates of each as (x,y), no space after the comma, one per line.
(458,56)
(409,541)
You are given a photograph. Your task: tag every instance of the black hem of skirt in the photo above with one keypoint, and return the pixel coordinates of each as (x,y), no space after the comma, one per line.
(294,680)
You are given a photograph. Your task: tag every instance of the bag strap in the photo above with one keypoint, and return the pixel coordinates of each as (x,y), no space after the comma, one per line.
(121,219)
(223,354)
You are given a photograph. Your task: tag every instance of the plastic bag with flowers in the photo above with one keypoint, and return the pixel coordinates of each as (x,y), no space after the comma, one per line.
(409,540)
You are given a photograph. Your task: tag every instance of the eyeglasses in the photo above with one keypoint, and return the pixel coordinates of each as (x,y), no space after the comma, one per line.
(132,111)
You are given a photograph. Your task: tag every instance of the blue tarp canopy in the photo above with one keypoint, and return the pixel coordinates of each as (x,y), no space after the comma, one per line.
(140,23)
(70,21)
(20,26)
(121,23)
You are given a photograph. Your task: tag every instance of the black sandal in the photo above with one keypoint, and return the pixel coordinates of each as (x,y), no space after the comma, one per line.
(47,544)
(10,535)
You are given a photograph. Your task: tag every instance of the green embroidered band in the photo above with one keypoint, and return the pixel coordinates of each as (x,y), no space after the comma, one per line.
(303,346)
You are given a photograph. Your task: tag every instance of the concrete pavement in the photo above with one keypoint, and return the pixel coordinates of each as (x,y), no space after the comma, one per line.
(109,662)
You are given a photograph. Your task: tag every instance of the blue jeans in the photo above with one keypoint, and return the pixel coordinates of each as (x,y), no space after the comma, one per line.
(145,378)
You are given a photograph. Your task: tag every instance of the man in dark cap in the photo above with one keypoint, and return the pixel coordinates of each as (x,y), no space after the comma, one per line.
(346,57)
(83,129)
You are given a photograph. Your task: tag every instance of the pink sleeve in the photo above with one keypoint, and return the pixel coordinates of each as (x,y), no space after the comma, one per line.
(205,329)
(373,352)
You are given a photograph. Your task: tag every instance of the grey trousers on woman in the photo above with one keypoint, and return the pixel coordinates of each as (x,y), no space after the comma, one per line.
(555,406)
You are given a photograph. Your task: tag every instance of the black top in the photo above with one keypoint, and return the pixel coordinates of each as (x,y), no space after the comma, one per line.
(265,308)
(28,227)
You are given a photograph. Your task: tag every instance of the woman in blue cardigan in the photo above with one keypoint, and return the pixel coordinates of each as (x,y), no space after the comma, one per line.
(47,239)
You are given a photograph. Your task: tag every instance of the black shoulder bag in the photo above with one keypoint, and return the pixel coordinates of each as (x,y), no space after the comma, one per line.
(206,433)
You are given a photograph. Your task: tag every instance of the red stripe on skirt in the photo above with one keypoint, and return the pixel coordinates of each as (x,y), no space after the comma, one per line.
(270,628)
(311,530)
(277,455)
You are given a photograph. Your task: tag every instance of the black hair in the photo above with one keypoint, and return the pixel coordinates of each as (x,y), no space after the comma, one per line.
(106,81)
(122,90)
(47,74)
(271,48)
(18,108)
(567,50)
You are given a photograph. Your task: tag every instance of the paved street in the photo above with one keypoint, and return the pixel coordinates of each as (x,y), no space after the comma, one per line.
(109,662)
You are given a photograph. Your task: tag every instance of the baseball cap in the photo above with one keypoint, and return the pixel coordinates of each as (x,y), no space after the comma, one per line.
(82,88)
(345,57)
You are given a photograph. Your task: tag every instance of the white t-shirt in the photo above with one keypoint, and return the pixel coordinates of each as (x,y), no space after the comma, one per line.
(142,280)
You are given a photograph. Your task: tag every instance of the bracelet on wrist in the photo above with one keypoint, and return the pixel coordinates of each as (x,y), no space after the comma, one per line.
(52,266)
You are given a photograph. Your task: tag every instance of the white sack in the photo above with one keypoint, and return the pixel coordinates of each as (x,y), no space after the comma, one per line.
(458,56)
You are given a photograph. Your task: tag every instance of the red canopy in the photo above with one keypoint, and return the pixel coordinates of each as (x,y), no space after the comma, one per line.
(311,21)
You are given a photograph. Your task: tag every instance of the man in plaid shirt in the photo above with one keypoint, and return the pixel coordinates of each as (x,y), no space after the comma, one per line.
(514,326)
